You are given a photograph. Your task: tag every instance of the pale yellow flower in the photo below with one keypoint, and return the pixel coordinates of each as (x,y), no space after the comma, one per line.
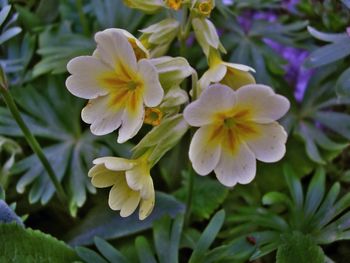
(118,82)
(131,183)
(231,74)
(147,6)
(236,127)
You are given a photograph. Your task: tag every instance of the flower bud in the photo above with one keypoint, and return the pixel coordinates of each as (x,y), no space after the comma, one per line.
(158,37)
(149,6)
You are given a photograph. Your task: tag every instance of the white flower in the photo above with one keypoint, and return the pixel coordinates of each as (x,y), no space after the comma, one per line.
(236,127)
(131,181)
(117,84)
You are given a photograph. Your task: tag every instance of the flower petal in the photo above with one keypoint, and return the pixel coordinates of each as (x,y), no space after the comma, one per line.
(146,207)
(130,205)
(84,82)
(204,153)
(270,146)
(214,99)
(115,50)
(102,117)
(118,194)
(239,167)
(132,118)
(263,101)
(115,163)
(213,74)
(102,177)
(153,91)
(241,67)
(137,176)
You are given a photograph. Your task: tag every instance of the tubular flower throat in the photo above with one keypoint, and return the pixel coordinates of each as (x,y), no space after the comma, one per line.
(118,82)
(131,183)
(174,4)
(236,128)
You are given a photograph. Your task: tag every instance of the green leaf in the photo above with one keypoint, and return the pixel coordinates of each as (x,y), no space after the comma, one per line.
(4,13)
(315,192)
(342,85)
(337,122)
(328,54)
(103,222)
(328,37)
(207,196)
(108,251)
(208,237)
(294,186)
(144,251)
(69,149)
(167,238)
(299,248)
(31,246)
(272,198)
(89,255)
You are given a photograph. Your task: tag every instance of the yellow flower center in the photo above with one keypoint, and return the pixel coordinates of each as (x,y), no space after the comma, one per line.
(232,127)
(125,88)
(174,4)
(205,8)
(153,116)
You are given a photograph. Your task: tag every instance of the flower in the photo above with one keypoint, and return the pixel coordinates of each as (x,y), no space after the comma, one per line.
(230,74)
(131,184)
(117,84)
(159,36)
(149,6)
(236,127)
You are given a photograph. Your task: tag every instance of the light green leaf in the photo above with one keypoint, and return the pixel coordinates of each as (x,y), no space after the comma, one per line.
(328,54)
(328,37)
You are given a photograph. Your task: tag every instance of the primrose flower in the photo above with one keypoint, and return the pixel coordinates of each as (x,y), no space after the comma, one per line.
(149,6)
(118,82)
(230,74)
(236,127)
(131,184)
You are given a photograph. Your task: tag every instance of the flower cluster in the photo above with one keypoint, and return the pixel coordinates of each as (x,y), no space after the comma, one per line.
(128,82)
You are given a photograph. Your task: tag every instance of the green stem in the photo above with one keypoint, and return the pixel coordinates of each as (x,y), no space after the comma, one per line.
(82,17)
(32,141)
(189,195)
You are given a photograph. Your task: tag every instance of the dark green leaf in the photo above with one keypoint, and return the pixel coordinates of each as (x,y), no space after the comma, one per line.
(103,222)
(31,246)
(299,248)
(208,237)
(144,251)
(315,192)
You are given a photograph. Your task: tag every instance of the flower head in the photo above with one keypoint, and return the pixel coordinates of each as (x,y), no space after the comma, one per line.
(118,82)
(131,184)
(230,74)
(236,127)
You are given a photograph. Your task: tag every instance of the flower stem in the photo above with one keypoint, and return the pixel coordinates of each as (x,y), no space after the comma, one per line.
(189,196)
(82,17)
(33,143)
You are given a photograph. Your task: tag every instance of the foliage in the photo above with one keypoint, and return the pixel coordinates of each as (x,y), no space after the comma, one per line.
(295,210)
(29,245)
